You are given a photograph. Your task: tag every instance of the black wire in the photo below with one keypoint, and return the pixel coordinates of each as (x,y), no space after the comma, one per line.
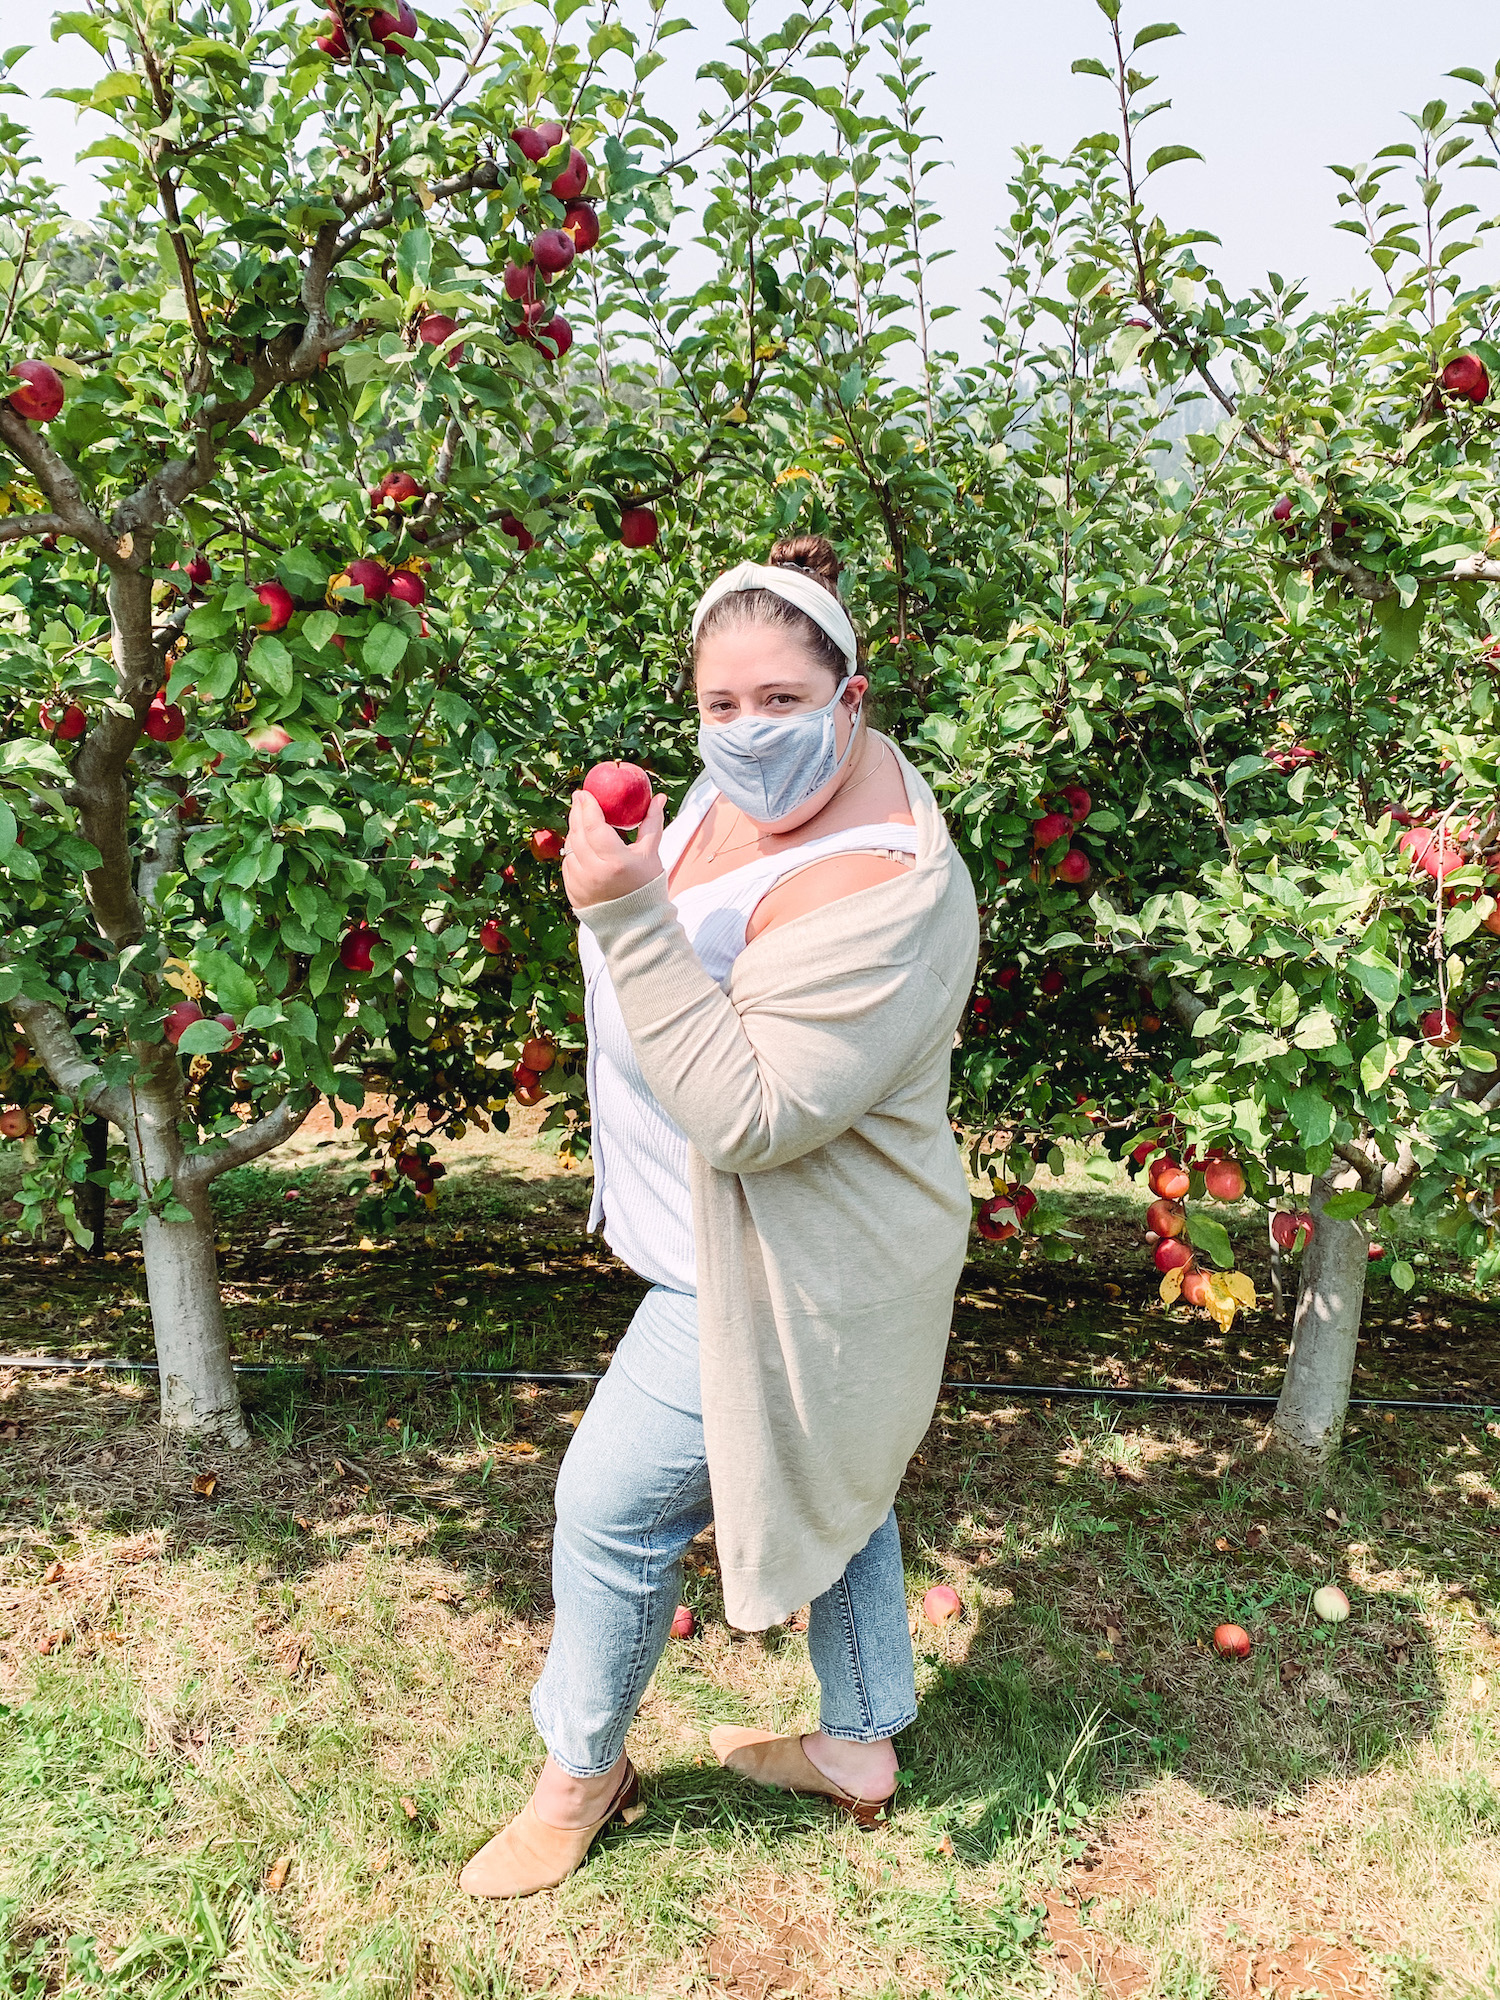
(1047,1392)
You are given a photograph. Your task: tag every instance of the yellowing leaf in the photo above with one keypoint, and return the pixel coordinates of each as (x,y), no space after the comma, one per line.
(1171,1287)
(1241,1286)
(1220,1301)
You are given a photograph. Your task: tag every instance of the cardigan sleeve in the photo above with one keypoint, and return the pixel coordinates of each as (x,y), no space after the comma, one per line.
(756,1088)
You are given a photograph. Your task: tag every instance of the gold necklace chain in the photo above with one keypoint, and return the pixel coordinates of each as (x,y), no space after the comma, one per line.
(843,792)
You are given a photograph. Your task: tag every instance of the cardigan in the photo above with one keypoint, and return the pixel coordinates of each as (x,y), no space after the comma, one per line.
(831,1209)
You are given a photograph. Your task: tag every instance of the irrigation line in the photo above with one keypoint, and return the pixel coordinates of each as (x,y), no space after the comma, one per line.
(1032,1392)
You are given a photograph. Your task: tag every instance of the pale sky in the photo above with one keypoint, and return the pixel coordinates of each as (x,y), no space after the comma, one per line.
(1269,93)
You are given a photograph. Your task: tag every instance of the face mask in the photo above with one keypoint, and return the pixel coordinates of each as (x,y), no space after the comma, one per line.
(768,765)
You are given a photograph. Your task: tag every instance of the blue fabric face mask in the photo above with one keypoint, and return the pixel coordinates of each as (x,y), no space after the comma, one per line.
(770,765)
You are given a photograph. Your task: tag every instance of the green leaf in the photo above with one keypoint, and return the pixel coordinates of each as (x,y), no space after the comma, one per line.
(1312,1114)
(7,829)
(1242,768)
(1091,66)
(1164,156)
(414,260)
(203,1038)
(1351,1202)
(1159,31)
(319,627)
(1206,1234)
(1318,1030)
(271,665)
(1380,979)
(230,983)
(1403,1277)
(384,649)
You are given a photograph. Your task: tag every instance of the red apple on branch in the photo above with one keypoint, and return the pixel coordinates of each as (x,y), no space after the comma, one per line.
(519,281)
(228,1022)
(1172,1255)
(1291,1229)
(519,533)
(1169,1179)
(358,945)
(269,740)
(177,1020)
(1441,1027)
(40,397)
(276,599)
(1224,1179)
(574,177)
(1166,1218)
(406,587)
(582,224)
(1080,805)
(1194,1287)
(1051,828)
(67,719)
(1052,983)
(363,574)
(434,329)
(537,141)
(334,41)
(546,845)
(1075,867)
(538,1054)
(15,1123)
(622,790)
(639,527)
(386,27)
(559,333)
(1465,375)
(395,490)
(492,938)
(165,721)
(552,251)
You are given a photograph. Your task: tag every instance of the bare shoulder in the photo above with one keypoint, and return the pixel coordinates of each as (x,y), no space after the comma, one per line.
(821,883)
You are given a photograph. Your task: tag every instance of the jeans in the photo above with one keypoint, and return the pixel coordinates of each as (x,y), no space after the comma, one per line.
(632,1493)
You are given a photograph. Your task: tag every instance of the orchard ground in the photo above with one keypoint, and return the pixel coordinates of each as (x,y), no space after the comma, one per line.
(258,1707)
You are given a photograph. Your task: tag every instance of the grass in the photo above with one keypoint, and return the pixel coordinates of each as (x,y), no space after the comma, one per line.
(256,1709)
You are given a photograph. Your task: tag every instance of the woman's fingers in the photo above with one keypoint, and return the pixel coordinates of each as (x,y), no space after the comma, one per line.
(648,840)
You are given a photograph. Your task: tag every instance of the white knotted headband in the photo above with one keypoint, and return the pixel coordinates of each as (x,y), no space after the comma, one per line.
(796,587)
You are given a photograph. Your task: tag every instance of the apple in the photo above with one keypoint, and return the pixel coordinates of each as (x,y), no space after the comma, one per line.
(278,607)
(363,574)
(1465,376)
(1282,511)
(1051,828)
(1291,1230)
(165,721)
(537,141)
(69,720)
(1441,1027)
(1224,1179)
(1166,1218)
(981,1009)
(1080,805)
(228,1022)
(519,533)
(177,1020)
(1150,1023)
(529,1093)
(396,489)
(574,177)
(1232,1641)
(334,41)
(406,587)
(1169,1178)
(434,329)
(538,1055)
(558,331)
(996,1220)
(1375,1253)
(1330,1604)
(491,938)
(268,741)
(359,943)
(942,1605)
(1194,1287)
(15,1123)
(622,790)
(639,527)
(1171,1255)
(684,1624)
(519,281)
(552,251)
(582,224)
(385,27)
(189,808)
(40,396)
(1074,867)
(1052,982)
(546,845)
(412,1165)
(1007,978)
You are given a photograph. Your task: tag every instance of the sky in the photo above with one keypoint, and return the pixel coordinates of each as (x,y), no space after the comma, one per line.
(1270,93)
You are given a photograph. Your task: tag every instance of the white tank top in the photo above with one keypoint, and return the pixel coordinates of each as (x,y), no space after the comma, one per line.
(641,1193)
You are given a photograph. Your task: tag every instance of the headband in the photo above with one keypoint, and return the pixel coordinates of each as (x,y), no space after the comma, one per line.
(796,587)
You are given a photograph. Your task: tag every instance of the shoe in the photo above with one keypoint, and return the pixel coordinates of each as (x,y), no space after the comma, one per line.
(781,1761)
(529,1855)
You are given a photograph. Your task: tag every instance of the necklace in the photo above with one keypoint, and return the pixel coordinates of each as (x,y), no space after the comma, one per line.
(843,792)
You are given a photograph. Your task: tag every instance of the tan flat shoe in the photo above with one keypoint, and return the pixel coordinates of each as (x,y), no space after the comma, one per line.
(529,1855)
(781,1761)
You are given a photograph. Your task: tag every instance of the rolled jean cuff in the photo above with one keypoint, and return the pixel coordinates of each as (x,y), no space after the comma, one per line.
(570,1770)
(875,1732)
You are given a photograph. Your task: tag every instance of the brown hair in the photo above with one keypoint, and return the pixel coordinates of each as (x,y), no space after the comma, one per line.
(812,554)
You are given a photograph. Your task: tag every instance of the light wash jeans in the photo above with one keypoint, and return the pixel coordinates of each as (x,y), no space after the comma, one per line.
(631,1494)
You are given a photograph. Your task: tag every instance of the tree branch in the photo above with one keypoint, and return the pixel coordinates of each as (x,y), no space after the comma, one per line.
(59,483)
(47,1030)
(15,527)
(263,1135)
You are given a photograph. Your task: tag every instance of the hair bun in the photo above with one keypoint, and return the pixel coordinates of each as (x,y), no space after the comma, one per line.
(813,554)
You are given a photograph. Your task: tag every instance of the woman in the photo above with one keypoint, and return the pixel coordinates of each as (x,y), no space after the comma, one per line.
(773,986)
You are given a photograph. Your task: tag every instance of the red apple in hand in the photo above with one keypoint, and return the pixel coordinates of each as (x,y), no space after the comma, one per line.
(623,792)
(639,527)
(40,396)
(278,607)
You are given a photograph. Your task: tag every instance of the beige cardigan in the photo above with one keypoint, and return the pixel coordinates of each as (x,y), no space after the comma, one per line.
(830,1206)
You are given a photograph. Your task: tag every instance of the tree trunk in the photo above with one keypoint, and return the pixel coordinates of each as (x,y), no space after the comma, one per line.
(92,1198)
(1325,1332)
(198,1388)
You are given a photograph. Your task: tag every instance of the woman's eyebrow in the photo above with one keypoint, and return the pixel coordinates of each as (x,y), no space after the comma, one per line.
(763,687)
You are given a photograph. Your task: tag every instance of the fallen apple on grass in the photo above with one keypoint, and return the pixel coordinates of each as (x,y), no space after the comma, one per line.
(1232,1642)
(1330,1604)
(684,1624)
(942,1604)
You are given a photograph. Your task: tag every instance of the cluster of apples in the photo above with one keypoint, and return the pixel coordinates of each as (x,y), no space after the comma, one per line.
(1059,824)
(1004,1214)
(537,1056)
(389,32)
(1466,377)
(177,1020)
(1166,1218)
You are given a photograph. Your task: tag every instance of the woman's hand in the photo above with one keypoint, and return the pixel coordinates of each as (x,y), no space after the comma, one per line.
(598,866)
